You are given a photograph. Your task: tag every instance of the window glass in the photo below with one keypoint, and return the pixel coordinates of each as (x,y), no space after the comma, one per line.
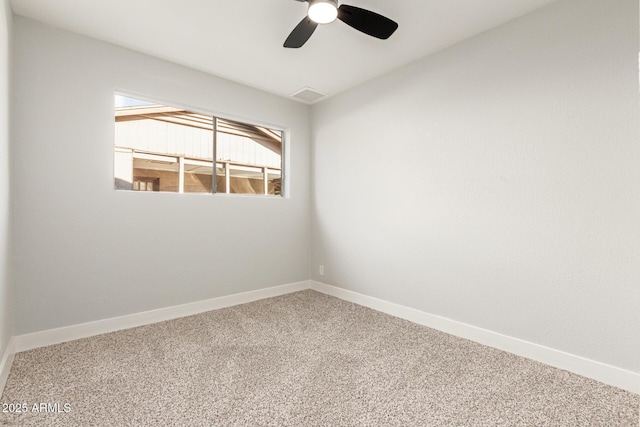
(170,149)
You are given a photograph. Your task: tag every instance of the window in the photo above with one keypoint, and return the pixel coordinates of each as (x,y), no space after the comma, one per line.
(169,149)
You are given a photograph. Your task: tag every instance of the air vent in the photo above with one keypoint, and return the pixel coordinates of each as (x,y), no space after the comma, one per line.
(308,95)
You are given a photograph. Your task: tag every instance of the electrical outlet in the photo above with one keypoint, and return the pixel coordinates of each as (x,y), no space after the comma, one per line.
(321,270)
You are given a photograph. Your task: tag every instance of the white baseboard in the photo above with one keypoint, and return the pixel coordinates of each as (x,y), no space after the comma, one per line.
(84,330)
(598,371)
(5,364)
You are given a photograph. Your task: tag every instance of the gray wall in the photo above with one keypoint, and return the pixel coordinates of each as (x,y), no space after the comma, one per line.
(496,182)
(6,302)
(85,252)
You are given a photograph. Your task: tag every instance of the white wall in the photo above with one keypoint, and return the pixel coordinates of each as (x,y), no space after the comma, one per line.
(6,305)
(85,252)
(496,183)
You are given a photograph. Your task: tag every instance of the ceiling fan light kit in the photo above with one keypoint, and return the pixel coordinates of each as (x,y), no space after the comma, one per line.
(326,11)
(323,11)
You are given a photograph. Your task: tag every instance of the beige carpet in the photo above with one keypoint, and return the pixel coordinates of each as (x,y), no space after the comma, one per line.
(303,359)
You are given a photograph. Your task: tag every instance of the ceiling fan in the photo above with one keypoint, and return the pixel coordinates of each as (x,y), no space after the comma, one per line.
(326,11)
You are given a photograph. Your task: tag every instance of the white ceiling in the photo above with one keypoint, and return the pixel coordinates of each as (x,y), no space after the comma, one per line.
(241,40)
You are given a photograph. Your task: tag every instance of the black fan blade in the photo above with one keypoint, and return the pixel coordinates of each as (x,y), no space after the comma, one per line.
(366,21)
(301,33)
